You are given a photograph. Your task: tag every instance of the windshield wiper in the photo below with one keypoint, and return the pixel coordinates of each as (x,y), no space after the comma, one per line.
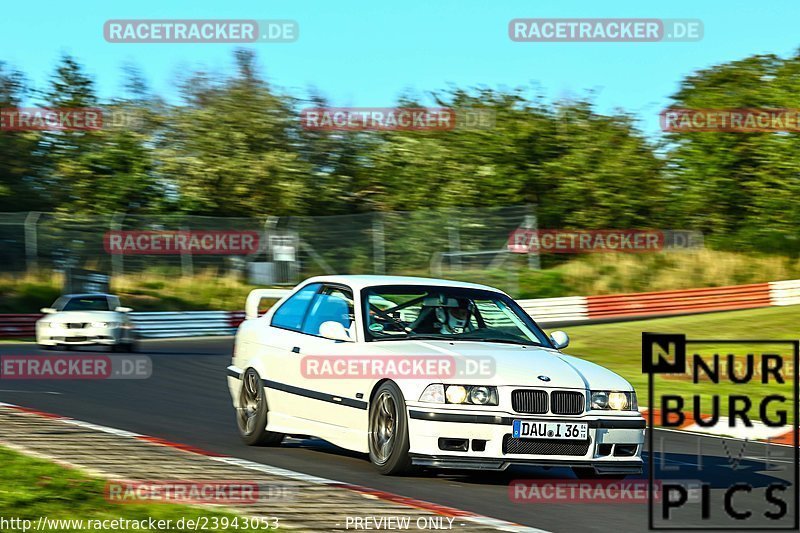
(417,337)
(500,341)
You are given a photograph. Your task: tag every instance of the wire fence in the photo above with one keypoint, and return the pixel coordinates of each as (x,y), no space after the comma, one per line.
(280,250)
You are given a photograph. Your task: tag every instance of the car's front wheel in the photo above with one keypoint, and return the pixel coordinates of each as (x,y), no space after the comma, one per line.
(251,415)
(388,431)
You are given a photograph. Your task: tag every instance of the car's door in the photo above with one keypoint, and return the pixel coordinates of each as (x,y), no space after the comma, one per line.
(338,400)
(282,345)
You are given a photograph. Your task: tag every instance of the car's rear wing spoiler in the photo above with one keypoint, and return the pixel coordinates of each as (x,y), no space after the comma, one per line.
(254,300)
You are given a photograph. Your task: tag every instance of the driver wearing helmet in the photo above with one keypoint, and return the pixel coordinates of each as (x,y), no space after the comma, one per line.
(453,320)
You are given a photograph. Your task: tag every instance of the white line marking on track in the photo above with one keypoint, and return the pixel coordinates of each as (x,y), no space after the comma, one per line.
(466,516)
(765,443)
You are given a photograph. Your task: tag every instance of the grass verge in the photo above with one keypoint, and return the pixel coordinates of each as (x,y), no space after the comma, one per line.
(31,488)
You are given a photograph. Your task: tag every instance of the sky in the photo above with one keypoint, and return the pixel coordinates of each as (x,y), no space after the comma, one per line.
(368,53)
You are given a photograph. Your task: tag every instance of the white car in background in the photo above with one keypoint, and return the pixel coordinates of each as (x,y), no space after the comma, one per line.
(86,320)
(535,406)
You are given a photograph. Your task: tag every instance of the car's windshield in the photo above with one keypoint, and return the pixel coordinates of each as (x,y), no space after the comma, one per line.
(86,303)
(447,313)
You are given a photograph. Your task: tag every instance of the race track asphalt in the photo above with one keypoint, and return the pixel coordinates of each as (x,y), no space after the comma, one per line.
(186,400)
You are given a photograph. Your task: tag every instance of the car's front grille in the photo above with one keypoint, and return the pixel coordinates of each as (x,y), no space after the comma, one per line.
(545,446)
(537,402)
(532,402)
(76,325)
(567,402)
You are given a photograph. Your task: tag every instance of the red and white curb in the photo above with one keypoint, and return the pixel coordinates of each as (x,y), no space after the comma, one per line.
(467,516)
(760,432)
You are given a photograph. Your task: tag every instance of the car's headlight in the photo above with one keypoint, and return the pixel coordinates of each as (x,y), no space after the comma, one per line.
(44,324)
(459,394)
(614,400)
(433,393)
(105,324)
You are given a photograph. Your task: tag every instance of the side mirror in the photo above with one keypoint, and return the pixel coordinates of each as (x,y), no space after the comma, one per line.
(123,309)
(47,310)
(559,339)
(334,331)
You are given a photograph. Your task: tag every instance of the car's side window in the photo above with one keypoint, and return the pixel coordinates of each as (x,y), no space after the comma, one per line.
(332,304)
(291,313)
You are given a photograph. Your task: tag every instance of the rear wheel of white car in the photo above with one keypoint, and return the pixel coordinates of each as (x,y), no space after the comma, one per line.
(388,431)
(251,416)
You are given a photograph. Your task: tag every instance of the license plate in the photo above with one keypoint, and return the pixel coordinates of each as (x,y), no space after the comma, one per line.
(531,429)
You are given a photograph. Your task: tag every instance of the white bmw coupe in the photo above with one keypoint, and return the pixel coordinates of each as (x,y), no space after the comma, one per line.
(421,372)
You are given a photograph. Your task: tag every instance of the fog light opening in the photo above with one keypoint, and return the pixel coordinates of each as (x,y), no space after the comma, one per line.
(478,445)
(453,445)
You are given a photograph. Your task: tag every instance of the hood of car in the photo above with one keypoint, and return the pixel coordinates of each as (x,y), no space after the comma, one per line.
(513,365)
(83,316)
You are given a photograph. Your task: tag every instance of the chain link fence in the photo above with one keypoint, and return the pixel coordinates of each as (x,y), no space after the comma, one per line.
(285,249)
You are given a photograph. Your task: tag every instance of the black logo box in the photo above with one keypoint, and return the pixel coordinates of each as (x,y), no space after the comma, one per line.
(678,365)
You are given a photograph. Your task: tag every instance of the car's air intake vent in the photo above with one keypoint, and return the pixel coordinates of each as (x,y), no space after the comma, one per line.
(533,402)
(567,402)
(545,446)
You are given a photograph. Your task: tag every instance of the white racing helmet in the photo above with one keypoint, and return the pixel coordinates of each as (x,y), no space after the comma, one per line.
(453,319)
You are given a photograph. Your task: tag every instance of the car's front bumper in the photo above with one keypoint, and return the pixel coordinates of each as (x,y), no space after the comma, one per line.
(450,439)
(80,336)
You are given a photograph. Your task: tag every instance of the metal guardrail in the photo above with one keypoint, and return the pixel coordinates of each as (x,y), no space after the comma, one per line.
(677,302)
(146,325)
(14,326)
(550,310)
(785,292)
(182,324)
(571,309)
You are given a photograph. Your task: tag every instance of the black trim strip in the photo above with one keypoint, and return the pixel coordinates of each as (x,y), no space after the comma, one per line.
(234,374)
(315,395)
(461,418)
(635,423)
(501,463)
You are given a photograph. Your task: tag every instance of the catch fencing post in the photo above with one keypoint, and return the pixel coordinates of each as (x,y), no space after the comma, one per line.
(116,259)
(534,261)
(31,244)
(186,260)
(378,244)
(455,244)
